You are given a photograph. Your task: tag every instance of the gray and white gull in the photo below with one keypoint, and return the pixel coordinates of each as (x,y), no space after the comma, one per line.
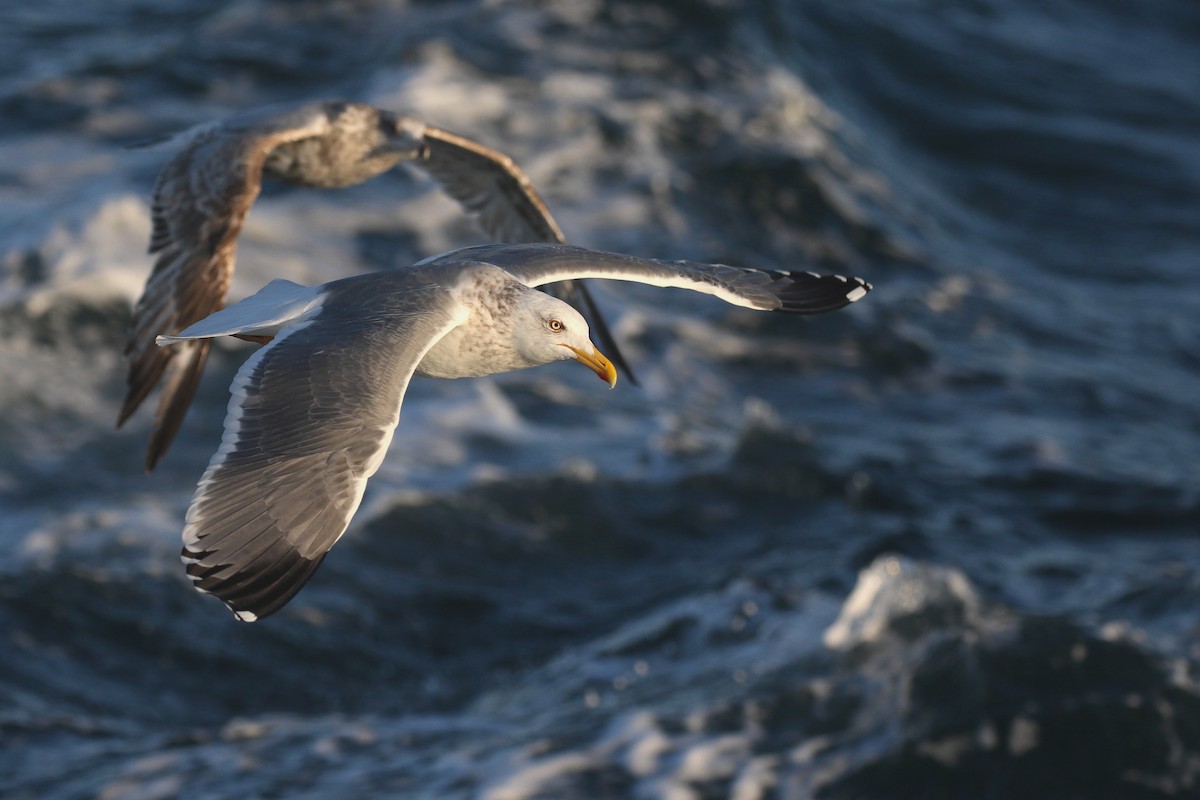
(313,412)
(206,189)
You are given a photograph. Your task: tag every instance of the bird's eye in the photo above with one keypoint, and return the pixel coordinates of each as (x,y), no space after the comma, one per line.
(555,325)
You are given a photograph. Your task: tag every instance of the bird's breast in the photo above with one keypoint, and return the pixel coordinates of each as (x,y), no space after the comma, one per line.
(470,351)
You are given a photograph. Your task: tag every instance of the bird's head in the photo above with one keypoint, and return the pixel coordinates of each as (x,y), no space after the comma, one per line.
(400,138)
(550,330)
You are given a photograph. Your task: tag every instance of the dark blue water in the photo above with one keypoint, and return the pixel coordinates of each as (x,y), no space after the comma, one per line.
(942,544)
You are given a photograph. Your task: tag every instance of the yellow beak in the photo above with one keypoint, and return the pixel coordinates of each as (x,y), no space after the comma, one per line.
(597,363)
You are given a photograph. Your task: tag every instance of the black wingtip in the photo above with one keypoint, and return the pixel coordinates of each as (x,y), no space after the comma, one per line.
(260,589)
(811,293)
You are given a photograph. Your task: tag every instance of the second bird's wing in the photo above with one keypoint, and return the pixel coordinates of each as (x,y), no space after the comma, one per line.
(201,199)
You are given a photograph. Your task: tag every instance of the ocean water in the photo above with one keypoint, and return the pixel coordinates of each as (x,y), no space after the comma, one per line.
(944,543)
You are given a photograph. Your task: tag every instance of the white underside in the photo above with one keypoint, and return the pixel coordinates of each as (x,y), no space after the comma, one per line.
(277,304)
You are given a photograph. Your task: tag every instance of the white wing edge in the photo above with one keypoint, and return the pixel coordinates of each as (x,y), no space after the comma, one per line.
(650,279)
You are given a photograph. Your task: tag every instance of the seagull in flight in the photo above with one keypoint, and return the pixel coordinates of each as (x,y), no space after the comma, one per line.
(312,413)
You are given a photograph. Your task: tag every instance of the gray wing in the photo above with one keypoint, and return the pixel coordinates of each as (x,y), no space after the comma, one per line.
(201,199)
(490,184)
(794,292)
(310,418)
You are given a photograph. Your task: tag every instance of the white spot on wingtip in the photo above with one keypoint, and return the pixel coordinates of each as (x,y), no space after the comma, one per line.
(245,616)
(858,293)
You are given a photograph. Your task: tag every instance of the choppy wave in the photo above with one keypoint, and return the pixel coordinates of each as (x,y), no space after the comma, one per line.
(942,544)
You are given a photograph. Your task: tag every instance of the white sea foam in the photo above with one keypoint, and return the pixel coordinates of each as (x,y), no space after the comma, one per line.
(100,258)
(894,589)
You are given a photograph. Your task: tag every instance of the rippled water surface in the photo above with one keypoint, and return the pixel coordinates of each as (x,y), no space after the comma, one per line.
(944,543)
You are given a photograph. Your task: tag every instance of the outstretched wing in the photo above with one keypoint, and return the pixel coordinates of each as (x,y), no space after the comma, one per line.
(794,292)
(310,418)
(201,199)
(491,185)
